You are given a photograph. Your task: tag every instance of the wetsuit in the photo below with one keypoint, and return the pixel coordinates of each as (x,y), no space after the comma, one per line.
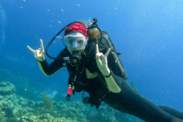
(127,100)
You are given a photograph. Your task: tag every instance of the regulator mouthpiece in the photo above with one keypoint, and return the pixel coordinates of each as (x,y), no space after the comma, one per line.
(75,58)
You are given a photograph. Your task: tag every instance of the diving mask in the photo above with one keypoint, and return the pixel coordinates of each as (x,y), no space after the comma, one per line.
(75,40)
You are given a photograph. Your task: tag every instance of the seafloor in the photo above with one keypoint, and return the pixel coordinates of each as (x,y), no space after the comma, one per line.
(17,107)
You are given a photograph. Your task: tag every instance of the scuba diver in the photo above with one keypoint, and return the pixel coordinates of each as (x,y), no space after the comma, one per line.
(94,67)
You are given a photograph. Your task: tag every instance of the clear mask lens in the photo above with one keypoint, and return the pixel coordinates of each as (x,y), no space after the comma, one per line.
(72,41)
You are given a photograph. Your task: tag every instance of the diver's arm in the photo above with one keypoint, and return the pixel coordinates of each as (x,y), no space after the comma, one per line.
(50,69)
(53,67)
(47,69)
(111,83)
(110,80)
(101,61)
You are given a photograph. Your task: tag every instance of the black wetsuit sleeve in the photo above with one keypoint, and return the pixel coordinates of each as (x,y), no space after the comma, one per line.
(49,69)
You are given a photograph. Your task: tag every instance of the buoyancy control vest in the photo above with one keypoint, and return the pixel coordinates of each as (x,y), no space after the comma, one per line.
(114,64)
(117,67)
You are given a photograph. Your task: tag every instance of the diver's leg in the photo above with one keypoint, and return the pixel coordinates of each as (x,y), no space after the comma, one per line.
(129,101)
(172,111)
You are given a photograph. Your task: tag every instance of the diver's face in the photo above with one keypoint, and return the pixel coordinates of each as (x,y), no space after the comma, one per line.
(76,49)
(75,41)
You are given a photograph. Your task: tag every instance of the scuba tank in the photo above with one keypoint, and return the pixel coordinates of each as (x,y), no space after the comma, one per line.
(94,32)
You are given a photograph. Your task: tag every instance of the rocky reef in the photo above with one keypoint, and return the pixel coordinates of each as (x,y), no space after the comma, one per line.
(6,88)
(14,108)
(20,102)
(17,109)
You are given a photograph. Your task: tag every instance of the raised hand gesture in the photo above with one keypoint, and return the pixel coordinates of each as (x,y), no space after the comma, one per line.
(39,53)
(101,60)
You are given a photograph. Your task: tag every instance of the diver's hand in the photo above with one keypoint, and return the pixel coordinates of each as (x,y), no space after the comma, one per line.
(39,53)
(101,60)
(95,102)
(92,101)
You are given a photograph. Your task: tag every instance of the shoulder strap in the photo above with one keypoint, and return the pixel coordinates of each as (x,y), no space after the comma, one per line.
(117,66)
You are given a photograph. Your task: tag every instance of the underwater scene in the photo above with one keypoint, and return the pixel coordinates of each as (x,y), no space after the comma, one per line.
(91,61)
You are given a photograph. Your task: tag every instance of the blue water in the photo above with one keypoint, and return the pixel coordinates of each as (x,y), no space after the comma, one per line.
(147,33)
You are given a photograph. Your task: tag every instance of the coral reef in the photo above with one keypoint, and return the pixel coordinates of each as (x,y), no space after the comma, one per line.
(43,118)
(14,108)
(21,83)
(6,88)
(47,102)
(2,116)
(107,114)
(71,112)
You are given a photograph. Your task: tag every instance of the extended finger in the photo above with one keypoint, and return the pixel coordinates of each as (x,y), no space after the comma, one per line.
(97,50)
(103,58)
(41,45)
(108,51)
(33,51)
(98,55)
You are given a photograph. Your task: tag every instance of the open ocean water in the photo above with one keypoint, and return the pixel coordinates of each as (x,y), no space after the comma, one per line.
(147,33)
